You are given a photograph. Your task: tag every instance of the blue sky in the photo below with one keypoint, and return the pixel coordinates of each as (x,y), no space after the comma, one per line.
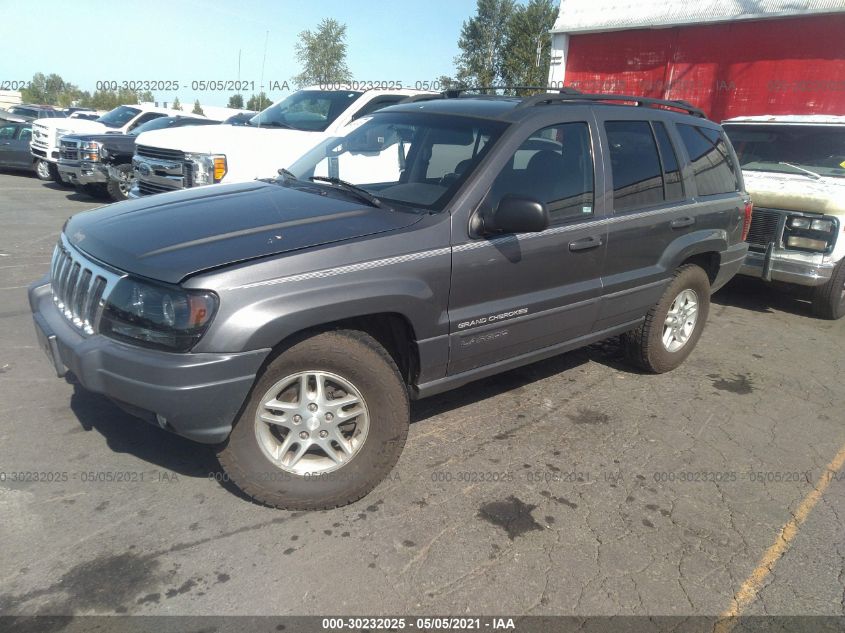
(193,40)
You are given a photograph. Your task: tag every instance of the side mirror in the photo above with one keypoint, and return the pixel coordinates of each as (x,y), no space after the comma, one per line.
(518,215)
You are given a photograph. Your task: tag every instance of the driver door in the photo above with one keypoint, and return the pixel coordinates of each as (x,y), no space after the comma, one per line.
(517,294)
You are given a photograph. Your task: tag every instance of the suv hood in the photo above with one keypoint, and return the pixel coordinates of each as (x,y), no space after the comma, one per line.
(171,236)
(230,139)
(793,192)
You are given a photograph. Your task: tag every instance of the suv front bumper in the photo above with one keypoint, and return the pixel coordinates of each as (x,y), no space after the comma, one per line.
(779,264)
(197,396)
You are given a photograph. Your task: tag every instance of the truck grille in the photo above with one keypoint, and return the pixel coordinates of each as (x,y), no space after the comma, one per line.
(79,287)
(69,150)
(158,152)
(148,188)
(765,227)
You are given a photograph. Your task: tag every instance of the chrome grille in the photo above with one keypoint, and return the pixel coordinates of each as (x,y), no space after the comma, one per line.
(159,152)
(79,287)
(765,228)
(148,188)
(69,150)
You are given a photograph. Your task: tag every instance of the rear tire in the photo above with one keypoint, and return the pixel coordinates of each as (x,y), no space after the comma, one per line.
(269,462)
(673,326)
(829,299)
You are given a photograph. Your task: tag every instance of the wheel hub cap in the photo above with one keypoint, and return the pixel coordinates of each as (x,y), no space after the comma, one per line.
(311,422)
(680,321)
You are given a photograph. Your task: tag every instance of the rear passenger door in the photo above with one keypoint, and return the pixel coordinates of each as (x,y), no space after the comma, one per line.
(651,209)
(516,294)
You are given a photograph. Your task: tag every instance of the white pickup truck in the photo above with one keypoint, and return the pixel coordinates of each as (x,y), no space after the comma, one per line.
(166,160)
(794,170)
(46,133)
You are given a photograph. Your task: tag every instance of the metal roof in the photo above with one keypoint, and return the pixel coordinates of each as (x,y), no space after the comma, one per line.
(579,16)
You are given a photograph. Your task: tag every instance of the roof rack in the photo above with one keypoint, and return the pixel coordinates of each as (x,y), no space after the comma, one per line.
(454,93)
(574,95)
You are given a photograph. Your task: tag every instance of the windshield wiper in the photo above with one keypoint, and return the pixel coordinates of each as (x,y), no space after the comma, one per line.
(806,172)
(362,193)
(271,124)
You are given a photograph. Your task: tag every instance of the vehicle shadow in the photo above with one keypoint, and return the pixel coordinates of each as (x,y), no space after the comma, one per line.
(608,352)
(71,193)
(757,296)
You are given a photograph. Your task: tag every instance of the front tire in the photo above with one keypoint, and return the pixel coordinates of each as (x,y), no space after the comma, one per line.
(829,299)
(119,189)
(673,326)
(42,170)
(324,424)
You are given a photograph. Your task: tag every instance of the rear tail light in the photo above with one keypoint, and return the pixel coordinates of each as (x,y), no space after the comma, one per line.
(746,222)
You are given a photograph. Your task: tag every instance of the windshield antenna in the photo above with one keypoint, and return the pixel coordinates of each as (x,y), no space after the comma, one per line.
(261,83)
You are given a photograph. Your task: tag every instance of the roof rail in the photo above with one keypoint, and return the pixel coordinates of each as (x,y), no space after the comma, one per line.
(453,93)
(574,95)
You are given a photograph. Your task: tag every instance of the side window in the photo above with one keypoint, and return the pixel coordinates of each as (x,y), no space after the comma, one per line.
(377,104)
(144,118)
(712,164)
(25,134)
(635,165)
(673,187)
(555,166)
(8,131)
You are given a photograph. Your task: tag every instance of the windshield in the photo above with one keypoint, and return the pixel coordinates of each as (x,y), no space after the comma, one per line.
(412,159)
(24,111)
(119,117)
(310,110)
(817,148)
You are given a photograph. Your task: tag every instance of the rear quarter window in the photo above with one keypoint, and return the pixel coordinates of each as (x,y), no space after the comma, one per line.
(712,163)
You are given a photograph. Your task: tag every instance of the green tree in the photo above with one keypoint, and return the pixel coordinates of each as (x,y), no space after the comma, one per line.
(527,48)
(176,105)
(258,102)
(197,108)
(146,97)
(482,43)
(236,101)
(323,55)
(50,90)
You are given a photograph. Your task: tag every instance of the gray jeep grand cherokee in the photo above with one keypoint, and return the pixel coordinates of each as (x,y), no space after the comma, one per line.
(438,242)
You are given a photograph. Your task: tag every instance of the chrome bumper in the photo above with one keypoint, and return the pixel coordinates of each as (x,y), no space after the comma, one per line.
(777,264)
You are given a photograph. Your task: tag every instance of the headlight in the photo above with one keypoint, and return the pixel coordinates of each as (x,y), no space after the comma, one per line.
(207,168)
(90,150)
(162,317)
(809,233)
(822,225)
(799,222)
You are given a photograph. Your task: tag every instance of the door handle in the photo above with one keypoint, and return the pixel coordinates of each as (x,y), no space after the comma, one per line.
(587,243)
(679,223)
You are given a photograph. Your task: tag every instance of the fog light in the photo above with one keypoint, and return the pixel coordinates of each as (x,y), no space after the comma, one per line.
(806,242)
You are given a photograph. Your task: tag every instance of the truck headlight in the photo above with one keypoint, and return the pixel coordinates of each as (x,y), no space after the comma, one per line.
(90,151)
(207,168)
(810,234)
(163,317)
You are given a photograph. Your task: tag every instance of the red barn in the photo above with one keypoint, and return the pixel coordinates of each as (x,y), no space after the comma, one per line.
(742,57)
